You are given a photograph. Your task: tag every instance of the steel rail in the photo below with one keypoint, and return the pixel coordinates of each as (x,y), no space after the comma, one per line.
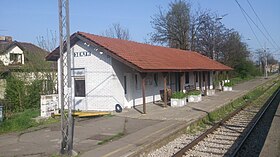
(256,121)
(182,151)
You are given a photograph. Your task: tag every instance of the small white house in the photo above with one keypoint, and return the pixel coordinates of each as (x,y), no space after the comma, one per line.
(107,71)
(25,61)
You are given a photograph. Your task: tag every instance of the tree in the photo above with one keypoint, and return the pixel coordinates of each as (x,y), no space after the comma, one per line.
(48,42)
(233,49)
(209,34)
(172,27)
(117,31)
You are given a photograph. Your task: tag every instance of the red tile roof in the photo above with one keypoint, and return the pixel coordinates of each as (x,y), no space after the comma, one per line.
(148,58)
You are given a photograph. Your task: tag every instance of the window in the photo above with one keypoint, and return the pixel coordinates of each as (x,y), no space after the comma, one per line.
(156,79)
(137,83)
(15,58)
(80,90)
(125,86)
(187,78)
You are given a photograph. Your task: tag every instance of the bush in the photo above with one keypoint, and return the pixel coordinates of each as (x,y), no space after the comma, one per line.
(15,94)
(228,84)
(194,92)
(246,69)
(20,96)
(178,95)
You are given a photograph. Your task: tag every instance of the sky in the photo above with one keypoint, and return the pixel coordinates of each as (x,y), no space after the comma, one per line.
(25,20)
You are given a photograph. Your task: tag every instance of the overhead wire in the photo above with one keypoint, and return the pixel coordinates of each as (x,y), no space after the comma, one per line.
(262,24)
(244,12)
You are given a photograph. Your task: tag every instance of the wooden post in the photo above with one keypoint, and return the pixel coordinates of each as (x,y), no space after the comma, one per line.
(194,79)
(143,76)
(165,89)
(182,81)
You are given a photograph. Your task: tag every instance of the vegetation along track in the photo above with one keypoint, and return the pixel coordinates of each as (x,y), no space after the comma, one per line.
(219,122)
(226,137)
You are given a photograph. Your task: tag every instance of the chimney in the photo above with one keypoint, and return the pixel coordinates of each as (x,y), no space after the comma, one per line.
(6,39)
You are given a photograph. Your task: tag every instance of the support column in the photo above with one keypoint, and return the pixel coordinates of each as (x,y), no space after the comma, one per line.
(206,82)
(200,83)
(182,81)
(165,89)
(194,79)
(143,76)
(214,79)
(227,75)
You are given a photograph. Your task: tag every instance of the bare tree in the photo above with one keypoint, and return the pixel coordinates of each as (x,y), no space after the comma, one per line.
(117,31)
(172,27)
(48,42)
(209,35)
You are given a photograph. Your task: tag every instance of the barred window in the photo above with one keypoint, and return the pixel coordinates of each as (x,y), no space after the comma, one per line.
(80,88)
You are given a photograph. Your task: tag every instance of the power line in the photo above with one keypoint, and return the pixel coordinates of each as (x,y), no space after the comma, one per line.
(262,24)
(242,9)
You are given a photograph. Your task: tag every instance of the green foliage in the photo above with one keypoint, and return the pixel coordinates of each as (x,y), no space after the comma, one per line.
(15,94)
(194,92)
(33,94)
(258,96)
(19,121)
(228,84)
(20,96)
(246,69)
(178,95)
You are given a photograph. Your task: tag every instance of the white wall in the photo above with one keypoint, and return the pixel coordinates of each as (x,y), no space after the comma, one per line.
(5,58)
(104,81)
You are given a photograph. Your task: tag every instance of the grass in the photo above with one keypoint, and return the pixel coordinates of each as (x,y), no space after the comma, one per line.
(112,138)
(237,80)
(257,96)
(22,121)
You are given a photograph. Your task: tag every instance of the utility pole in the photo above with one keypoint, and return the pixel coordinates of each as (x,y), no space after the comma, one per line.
(265,66)
(265,62)
(67,121)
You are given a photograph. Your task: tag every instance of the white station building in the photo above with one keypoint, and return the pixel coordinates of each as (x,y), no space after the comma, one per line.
(108,71)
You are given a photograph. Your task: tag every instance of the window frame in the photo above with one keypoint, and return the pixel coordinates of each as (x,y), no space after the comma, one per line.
(187,78)
(80,93)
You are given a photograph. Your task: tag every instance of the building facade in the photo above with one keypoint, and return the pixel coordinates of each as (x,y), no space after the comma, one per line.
(106,72)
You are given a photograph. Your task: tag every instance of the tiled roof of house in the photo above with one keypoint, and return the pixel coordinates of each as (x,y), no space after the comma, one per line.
(34,55)
(145,57)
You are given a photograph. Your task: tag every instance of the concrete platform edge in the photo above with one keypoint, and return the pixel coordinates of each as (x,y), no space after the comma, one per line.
(168,137)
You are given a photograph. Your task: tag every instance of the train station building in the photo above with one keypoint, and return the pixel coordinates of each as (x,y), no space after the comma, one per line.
(107,71)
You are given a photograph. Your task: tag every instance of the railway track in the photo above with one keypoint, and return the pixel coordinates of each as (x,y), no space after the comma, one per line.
(226,137)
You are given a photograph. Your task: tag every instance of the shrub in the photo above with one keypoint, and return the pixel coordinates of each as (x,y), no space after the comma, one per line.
(194,92)
(178,95)
(228,84)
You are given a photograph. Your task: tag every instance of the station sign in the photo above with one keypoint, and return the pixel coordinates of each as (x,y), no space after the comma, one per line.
(78,72)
